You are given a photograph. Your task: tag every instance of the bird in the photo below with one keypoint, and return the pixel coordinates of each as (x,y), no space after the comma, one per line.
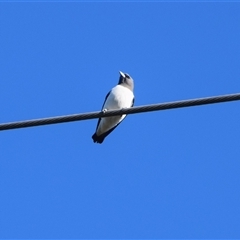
(119,97)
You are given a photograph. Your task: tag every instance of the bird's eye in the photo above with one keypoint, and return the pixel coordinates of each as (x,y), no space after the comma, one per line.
(127,76)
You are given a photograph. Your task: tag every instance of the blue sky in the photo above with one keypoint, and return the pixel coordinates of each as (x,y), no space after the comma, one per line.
(165,174)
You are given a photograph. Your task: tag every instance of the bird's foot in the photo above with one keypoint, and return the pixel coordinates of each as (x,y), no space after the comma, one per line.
(104,110)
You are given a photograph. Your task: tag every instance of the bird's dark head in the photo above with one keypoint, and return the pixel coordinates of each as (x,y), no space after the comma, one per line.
(126,81)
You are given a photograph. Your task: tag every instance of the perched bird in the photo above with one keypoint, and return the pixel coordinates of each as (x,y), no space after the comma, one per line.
(119,97)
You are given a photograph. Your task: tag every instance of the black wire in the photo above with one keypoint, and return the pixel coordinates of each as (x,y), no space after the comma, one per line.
(140,109)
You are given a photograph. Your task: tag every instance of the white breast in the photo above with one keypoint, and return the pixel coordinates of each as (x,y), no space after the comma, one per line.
(119,97)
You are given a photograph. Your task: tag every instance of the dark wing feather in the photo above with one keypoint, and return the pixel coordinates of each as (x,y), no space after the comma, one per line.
(102,109)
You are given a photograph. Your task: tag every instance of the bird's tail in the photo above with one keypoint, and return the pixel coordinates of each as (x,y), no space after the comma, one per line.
(97,139)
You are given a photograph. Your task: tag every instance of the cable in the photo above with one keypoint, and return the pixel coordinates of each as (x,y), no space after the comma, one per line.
(139,109)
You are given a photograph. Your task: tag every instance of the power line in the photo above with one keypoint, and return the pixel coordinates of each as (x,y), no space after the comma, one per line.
(139,109)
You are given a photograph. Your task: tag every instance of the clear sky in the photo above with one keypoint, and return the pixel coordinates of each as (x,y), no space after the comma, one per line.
(165,174)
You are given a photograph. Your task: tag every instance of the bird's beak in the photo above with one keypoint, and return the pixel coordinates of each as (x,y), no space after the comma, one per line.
(122,74)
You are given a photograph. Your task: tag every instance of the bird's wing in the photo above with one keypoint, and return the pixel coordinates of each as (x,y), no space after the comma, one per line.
(102,109)
(133,101)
